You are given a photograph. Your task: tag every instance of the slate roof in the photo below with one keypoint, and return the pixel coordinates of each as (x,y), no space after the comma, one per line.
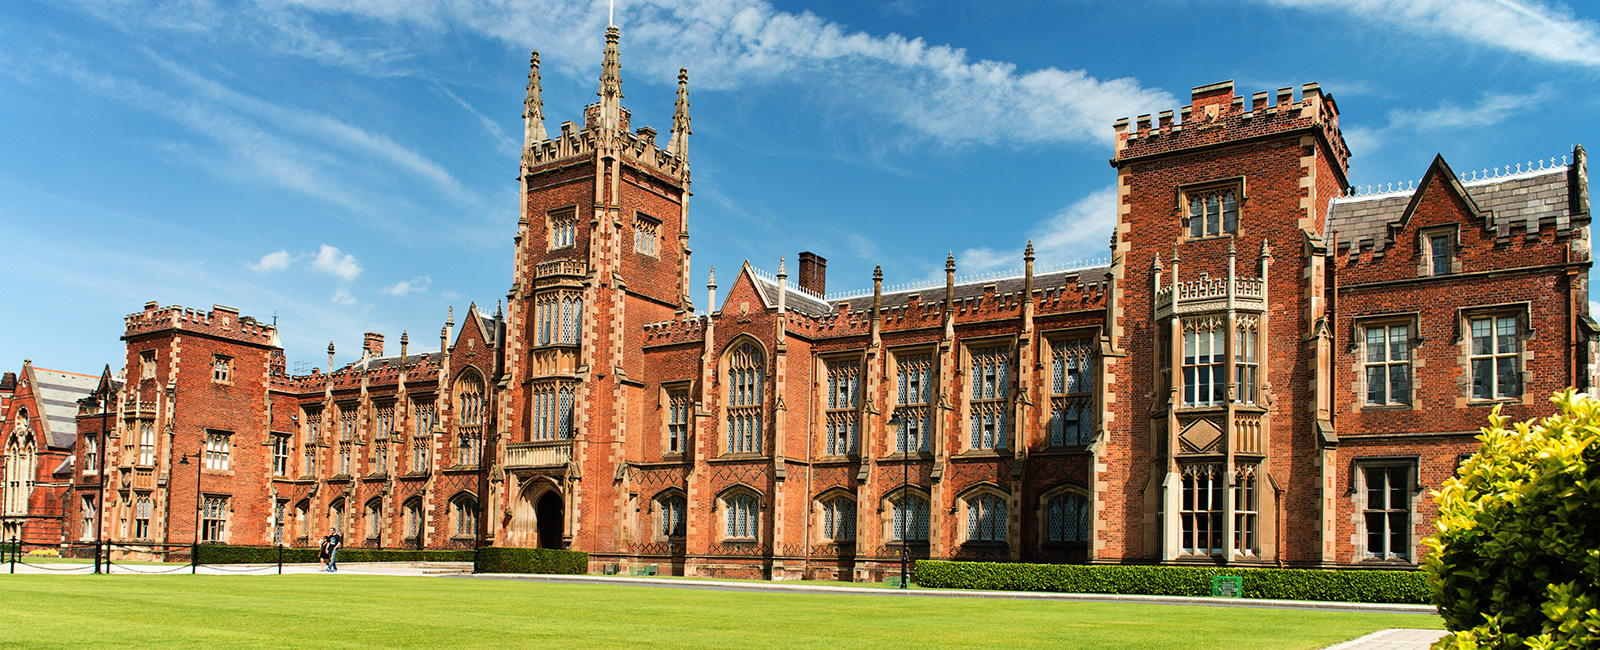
(412,360)
(1528,198)
(808,304)
(56,393)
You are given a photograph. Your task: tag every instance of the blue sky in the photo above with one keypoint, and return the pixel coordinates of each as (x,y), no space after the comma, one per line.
(349,166)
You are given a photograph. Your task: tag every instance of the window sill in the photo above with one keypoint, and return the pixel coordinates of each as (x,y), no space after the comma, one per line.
(339,478)
(1478,401)
(1065,544)
(746,541)
(740,456)
(983,453)
(1393,562)
(985,543)
(1225,235)
(1201,410)
(901,456)
(1379,408)
(376,476)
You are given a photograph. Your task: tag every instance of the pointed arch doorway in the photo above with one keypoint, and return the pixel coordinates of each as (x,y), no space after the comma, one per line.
(548,514)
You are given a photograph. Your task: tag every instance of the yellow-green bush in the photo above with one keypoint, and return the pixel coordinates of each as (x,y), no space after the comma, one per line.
(1516,561)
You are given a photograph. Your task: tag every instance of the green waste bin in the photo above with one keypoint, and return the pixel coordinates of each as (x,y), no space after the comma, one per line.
(1227,586)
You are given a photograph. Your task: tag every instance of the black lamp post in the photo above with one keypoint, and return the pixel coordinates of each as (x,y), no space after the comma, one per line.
(895,421)
(100,496)
(199,472)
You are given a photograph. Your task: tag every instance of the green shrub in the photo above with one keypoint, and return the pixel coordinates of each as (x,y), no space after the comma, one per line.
(1278,584)
(1516,561)
(269,555)
(501,559)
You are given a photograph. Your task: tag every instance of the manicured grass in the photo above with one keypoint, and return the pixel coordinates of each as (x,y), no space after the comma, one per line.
(338,611)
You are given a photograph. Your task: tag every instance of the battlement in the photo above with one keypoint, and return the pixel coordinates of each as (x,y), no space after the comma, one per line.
(639,148)
(1215,115)
(221,322)
(684,327)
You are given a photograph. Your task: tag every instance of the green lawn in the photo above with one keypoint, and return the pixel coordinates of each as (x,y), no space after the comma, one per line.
(338,611)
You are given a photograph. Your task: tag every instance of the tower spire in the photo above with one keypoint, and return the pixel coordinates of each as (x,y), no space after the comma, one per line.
(678,145)
(611,83)
(533,107)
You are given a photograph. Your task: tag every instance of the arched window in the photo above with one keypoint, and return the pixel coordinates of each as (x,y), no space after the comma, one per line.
(464,516)
(1067,518)
(336,517)
(672,509)
(302,518)
(742,509)
(839,519)
(1213,213)
(413,522)
(375,519)
(553,410)
(745,369)
(986,518)
(910,518)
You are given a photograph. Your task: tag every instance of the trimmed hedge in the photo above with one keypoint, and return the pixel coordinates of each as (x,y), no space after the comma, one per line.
(1364,586)
(502,559)
(269,555)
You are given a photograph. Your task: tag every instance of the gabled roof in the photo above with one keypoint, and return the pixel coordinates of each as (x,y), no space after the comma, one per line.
(1527,197)
(56,393)
(798,300)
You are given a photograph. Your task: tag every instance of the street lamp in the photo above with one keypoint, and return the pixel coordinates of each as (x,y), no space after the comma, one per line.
(100,496)
(895,422)
(199,473)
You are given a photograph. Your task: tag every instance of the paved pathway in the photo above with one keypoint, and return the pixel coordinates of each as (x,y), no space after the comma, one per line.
(1393,639)
(345,568)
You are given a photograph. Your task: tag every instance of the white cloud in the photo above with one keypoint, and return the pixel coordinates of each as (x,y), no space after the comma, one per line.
(342,297)
(1532,28)
(332,261)
(271,262)
(417,284)
(1076,233)
(1489,110)
(935,91)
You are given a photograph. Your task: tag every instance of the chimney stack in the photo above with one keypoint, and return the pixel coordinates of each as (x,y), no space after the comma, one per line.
(372,347)
(813,273)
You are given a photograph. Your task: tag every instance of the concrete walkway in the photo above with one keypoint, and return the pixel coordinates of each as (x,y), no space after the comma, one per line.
(427,569)
(1393,639)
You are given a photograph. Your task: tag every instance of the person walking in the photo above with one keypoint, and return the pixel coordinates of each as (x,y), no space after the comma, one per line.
(322,553)
(334,541)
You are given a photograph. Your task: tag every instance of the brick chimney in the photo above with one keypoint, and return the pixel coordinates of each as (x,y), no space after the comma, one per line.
(813,273)
(372,347)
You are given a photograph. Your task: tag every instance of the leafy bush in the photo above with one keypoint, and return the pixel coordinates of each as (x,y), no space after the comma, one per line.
(502,559)
(1516,562)
(269,555)
(1285,584)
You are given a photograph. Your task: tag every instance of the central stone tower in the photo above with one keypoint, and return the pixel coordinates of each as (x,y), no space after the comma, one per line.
(601,250)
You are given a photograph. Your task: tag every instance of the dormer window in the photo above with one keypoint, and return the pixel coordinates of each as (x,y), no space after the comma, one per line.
(1213,212)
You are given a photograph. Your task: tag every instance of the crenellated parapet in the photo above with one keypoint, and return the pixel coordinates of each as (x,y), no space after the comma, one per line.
(568,146)
(683,328)
(221,322)
(1216,115)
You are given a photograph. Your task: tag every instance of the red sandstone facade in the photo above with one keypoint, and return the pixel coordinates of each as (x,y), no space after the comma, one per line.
(1271,369)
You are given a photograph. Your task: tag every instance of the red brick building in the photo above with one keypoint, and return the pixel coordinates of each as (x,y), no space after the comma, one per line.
(37,427)
(1270,369)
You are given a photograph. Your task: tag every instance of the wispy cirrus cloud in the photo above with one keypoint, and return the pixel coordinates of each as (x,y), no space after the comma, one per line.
(1532,28)
(1490,109)
(934,92)
(335,262)
(1078,232)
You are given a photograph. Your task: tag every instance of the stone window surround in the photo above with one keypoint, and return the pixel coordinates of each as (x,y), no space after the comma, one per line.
(824,361)
(934,390)
(1357,494)
(720,512)
(669,389)
(1358,363)
(891,498)
(562,215)
(658,513)
(1047,342)
(646,224)
(968,497)
(1042,512)
(1425,248)
(1236,183)
(1522,311)
(819,507)
(964,382)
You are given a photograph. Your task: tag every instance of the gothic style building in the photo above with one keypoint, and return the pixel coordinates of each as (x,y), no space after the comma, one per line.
(1272,369)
